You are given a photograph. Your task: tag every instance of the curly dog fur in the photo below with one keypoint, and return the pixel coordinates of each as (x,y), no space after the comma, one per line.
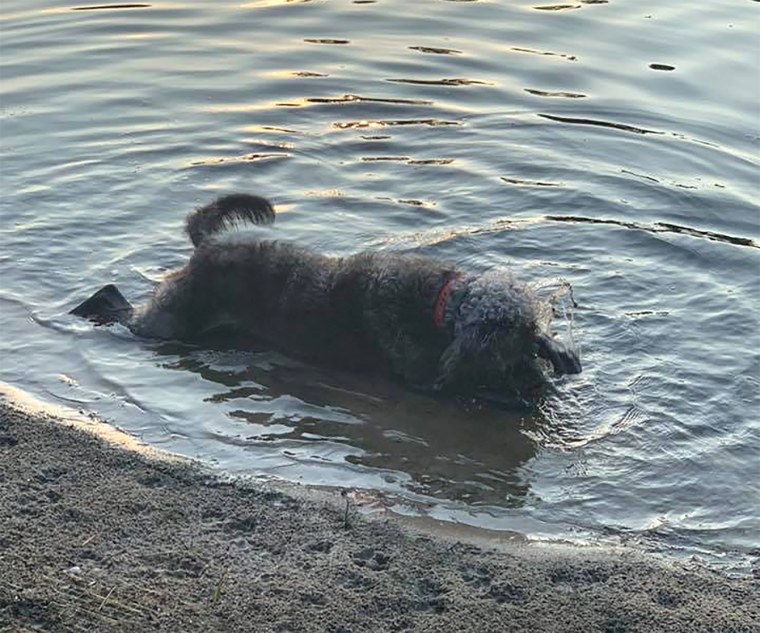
(423,320)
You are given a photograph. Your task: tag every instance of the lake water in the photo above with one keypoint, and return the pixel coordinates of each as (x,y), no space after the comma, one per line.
(612,145)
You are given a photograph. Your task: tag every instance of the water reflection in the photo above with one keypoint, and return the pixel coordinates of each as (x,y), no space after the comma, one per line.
(451,449)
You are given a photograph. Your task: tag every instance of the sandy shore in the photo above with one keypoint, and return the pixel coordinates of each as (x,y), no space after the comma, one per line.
(95,537)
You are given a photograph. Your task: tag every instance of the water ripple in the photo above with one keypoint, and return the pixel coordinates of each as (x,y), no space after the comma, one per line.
(662,227)
(456,81)
(545,93)
(117,119)
(595,122)
(435,51)
(101,7)
(360,99)
(393,123)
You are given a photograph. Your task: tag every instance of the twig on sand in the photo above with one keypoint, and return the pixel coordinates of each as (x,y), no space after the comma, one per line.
(216,594)
(108,595)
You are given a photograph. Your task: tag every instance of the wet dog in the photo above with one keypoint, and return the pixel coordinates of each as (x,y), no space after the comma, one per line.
(428,323)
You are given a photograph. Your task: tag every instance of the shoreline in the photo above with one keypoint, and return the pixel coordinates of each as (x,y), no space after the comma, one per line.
(94,536)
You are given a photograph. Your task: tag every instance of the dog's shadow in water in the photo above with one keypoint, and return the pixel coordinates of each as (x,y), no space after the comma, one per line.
(470,451)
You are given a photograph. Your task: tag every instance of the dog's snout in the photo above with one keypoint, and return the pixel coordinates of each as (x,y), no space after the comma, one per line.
(564,360)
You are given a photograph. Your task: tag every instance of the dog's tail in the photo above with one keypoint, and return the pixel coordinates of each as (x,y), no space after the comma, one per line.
(226,212)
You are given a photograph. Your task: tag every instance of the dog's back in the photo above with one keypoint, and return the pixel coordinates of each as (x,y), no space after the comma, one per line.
(423,319)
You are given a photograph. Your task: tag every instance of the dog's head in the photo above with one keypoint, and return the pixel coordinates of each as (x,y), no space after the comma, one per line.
(498,336)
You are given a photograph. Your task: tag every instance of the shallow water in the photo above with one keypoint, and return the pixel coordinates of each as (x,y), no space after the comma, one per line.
(609,144)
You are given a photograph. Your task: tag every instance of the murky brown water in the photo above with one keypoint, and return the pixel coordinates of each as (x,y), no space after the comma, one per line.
(609,144)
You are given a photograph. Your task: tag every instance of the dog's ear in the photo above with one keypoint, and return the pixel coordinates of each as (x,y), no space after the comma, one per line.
(468,343)
(107,305)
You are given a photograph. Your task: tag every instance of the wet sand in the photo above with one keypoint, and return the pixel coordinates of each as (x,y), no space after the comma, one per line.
(95,537)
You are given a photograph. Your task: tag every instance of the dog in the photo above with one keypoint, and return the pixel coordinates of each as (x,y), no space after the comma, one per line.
(431,325)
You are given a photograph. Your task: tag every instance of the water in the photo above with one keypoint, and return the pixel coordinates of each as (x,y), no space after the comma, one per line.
(609,144)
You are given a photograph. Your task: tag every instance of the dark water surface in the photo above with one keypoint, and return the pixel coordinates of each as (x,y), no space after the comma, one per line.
(609,144)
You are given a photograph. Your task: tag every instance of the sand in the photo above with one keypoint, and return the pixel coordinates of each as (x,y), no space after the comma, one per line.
(96,537)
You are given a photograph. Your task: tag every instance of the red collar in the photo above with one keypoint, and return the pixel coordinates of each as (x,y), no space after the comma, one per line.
(439,310)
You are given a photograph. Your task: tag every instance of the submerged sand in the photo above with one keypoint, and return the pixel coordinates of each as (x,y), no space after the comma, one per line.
(94,537)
